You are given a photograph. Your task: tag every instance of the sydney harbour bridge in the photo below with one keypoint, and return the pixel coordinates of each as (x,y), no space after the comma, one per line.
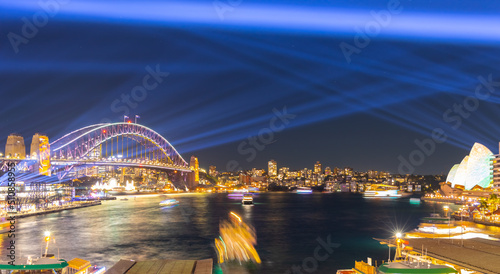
(93,149)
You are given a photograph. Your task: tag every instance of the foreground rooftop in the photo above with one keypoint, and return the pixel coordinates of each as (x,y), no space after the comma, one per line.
(162,267)
(476,254)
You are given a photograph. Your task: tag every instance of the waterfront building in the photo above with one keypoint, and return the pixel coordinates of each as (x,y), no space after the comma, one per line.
(244,179)
(348,171)
(317,168)
(272,168)
(284,171)
(328,171)
(212,171)
(477,168)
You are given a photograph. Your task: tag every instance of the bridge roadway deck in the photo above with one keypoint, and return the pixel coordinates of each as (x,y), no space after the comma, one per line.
(476,254)
(118,163)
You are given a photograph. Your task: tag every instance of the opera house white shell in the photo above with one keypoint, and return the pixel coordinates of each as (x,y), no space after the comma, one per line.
(475,169)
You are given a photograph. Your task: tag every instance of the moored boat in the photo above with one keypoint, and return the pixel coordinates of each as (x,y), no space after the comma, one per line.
(414,268)
(169,202)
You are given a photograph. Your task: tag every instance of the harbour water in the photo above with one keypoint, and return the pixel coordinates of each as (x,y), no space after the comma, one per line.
(290,228)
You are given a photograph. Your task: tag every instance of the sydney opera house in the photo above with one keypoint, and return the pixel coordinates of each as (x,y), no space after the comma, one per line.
(476,169)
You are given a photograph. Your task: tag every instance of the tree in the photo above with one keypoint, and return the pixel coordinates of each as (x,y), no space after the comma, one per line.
(493,202)
(483,205)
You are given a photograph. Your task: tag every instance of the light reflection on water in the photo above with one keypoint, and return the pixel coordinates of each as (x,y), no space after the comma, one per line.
(287,227)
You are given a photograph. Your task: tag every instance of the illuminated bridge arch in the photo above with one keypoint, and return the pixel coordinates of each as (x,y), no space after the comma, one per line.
(92,142)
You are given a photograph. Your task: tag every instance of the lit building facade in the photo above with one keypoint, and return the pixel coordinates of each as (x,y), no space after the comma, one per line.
(317,168)
(328,171)
(212,171)
(272,168)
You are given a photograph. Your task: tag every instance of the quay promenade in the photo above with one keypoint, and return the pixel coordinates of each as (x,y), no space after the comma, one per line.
(54,209)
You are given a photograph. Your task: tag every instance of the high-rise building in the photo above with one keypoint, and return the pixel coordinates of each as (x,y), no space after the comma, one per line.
(272,168)
(372,174)
(328,171)
(303,173)
(336,171)
(14,148)
(317,168)
(283,170)
(348,171)
(212,171)
(244,179)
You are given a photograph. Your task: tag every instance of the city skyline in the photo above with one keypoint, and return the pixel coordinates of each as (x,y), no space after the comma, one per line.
(249,136)
(212,90)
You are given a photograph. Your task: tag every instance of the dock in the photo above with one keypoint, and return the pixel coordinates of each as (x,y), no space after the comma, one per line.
(162,267)
(57,209)
(476,254)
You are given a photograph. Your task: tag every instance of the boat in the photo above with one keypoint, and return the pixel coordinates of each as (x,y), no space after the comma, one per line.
(303,190)
(169,202)
(37,265)
(405,261)
(436,224)
(415,268)
(236,243)
(247,199)
(382,191)
(46,263)
(415,201)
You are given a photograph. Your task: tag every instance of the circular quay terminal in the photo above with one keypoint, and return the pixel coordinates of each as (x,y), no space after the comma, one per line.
(249,137)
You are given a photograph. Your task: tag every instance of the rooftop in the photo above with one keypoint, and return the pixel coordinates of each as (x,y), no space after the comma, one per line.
(476,254)
(163,267)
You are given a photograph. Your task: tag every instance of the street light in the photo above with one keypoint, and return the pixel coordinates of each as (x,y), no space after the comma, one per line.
(47,239)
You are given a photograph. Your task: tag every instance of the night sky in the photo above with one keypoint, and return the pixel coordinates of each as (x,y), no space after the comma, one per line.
(217,72)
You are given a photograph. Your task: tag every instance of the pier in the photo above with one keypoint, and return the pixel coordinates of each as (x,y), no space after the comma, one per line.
(56,209)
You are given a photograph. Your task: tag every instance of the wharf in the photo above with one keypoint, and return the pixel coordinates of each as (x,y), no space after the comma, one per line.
(475,254)
(162,267)
(57,209)
(442,200)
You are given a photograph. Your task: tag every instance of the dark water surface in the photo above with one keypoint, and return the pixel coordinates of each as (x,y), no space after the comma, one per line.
(288,228)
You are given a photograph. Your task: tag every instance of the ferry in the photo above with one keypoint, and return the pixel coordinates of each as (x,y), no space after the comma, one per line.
(415,267)
(303,190)
(438,225)
(169,202)
(382,191)
(405,261)
(247,199)
(415,201)
(410,267)
(47,263)
(37,265)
